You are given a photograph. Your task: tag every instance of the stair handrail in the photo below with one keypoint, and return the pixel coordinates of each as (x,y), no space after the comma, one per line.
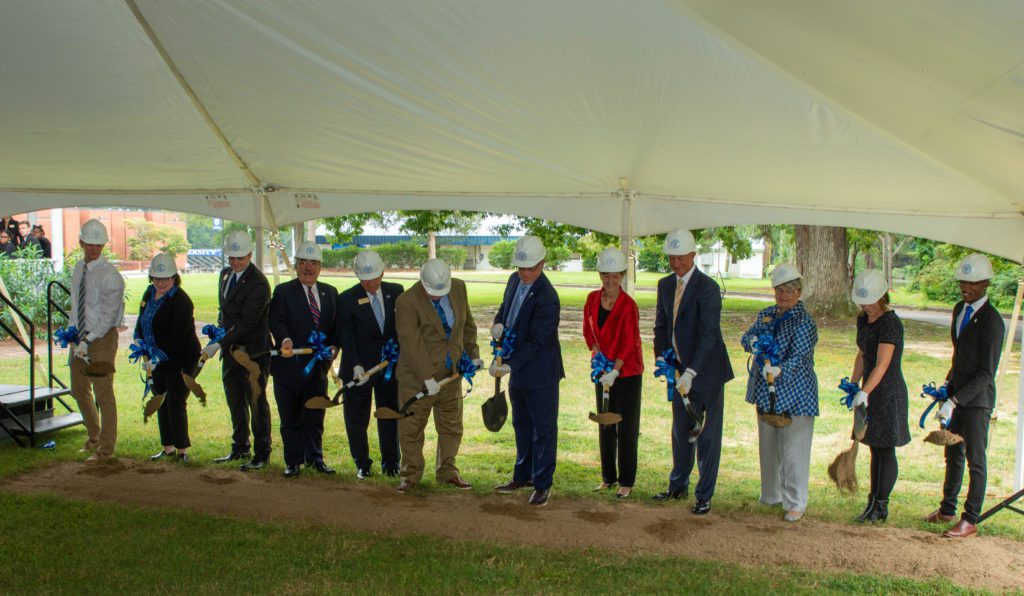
(30,347)
(52,305)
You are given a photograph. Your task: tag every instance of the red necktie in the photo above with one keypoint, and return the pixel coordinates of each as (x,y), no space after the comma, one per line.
(313,307)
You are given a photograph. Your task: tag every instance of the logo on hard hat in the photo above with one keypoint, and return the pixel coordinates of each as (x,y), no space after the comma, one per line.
(521,255)
(863,292)
(160,267)
(236,246)
(367,268)
(674,243)
(439,286)
(966,268)
(309,250)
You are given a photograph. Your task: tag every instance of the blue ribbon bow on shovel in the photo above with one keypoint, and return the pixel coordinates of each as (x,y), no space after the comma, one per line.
(321,351)
(214,333)
(504,347)
(766,348)
(599,365)
(666,368)
(939,395)
(850,389)
(66,336)
(141,350)
(389,351)
(467,369)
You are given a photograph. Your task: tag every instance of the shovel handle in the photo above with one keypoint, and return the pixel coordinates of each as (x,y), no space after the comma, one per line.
(423,393)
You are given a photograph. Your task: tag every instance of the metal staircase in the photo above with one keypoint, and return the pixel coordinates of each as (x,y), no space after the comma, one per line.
(28,411)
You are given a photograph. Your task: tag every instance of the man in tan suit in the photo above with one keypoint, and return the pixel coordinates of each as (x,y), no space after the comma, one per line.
(434,328)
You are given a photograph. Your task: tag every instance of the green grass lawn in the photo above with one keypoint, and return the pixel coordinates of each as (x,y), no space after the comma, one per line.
(149,548)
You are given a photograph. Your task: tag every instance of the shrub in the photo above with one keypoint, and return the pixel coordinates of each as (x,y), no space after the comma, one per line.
(26,280)
(402,255)
(340,258)
(556,257)
(455,256)
(650,257)
(500,255)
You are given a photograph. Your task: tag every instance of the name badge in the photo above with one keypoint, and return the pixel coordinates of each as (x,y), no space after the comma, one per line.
(363,301)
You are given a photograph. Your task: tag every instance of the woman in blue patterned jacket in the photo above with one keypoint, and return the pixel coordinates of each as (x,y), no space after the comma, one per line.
(782,340)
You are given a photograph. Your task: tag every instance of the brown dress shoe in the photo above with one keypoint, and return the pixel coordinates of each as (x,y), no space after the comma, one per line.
(458,482)
(513,485)
(405,486)
(938,517)
(962,529)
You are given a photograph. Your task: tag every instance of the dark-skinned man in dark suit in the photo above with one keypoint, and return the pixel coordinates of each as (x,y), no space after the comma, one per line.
(244,297)
(298,308)
(688,320)
(365,322)
(977,335)
(530,310)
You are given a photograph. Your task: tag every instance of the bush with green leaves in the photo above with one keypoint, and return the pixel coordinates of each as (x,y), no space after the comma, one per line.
(500,255)
(402,255)
(340,258)
(26,280)
(556,258)
(455,256)
(650,256)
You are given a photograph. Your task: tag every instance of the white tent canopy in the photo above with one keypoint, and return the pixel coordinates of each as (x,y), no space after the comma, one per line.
(628,117)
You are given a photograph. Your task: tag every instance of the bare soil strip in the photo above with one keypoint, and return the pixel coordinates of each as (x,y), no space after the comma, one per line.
(629,528)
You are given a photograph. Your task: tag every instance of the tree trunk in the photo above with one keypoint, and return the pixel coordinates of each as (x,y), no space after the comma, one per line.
(821,255)
(769,247)
(431,245)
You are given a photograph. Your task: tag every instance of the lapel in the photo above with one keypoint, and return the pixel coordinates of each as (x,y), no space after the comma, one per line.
(432,312)
(952,326)
(326,306)
(241,280)
(974,319)
(690,293)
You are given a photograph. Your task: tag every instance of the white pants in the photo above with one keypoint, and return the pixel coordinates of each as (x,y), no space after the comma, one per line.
(786,462)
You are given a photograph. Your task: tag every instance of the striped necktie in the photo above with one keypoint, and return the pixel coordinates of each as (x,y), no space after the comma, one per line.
(378,311)
(313,308)
(444,320)
(81,302)
(675,310)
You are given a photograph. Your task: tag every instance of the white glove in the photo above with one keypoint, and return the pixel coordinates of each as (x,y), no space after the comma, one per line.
(359,374)
(752,342)
(478,363)
(286,347)
(210,350)
(498,371)
(497,330)
(774,371)
(686,382)
(82,350)
(432,386)
(945,412)
(148,366)
(861,399)
(658,360)
(608,378)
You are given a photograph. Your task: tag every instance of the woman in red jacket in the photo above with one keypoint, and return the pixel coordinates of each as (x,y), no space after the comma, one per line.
(611,326)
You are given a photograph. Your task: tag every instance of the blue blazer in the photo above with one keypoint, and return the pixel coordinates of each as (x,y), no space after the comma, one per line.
(536,360)
(290,317)
(698,332)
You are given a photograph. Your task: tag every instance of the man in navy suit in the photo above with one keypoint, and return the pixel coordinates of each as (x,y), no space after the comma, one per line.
(977,334)
(298,308)
(366,321)
(688,320)
(530,310)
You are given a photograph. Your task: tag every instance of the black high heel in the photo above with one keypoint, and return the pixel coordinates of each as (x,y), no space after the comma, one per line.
(863,517)
(880,512)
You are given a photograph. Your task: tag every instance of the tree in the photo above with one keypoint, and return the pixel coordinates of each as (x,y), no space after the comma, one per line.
(821,256)
(552,233)
(200,232)
(343,228)
(500,255)
(429,223)
(151,238)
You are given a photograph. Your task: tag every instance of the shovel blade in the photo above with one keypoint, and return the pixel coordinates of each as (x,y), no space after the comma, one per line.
(943,438)
(387,414)
(606,418)
(495,411)
(775,420)
(151,407)
(319,403)
(860,422)
(194,387)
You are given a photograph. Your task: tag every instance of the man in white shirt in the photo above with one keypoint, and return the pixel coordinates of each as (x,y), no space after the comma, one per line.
(97,308)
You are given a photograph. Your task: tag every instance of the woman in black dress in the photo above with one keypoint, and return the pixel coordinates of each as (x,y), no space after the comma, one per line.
(880,350)
(166,323)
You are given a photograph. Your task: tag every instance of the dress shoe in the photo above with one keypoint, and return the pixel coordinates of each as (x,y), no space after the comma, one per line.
(962,529)
(670,494)
(701,507)
(183,458)
(363,473)
(459,483)
(513,485)
(938,517)
(623,495)
(604,486)
(390,471)
(233,456)
(255,464)
(99,458)
(292,471)
(161,455)
(539,498)
(405,486)
(323,468)
(793,515)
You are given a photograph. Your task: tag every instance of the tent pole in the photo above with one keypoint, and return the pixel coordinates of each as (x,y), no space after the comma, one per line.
(1012,333)
(1018,462)
(626,240)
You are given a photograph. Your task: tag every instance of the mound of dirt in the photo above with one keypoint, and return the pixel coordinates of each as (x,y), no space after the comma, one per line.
(741,538)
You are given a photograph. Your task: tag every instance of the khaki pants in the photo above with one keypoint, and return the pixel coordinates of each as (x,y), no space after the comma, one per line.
(447,408)
(98,378)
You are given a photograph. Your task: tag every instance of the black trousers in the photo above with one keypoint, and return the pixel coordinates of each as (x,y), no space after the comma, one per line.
(172,417)
(885,468)
(972,425)
(356,408)
(302,429)
(618,441)
(707,449)
(236,391)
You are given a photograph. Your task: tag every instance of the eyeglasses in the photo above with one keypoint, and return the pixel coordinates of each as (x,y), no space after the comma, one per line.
(786,291)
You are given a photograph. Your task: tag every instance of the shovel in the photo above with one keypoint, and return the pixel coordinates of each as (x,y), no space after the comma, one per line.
(772,417)
(495,408)
(697,417)
(322,403)
(604,417)
(389,414)
(943,437)
(190,380)
(843,469)
(153,404)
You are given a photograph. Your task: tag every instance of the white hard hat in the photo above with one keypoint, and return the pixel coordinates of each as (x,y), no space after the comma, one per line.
(237,244)
(368,265)
(973,268)
(309,251)
(529,251)
(611,260)
(93,232)
(679,242)
(784,272)
(868,287)
(162,266)
(436,277)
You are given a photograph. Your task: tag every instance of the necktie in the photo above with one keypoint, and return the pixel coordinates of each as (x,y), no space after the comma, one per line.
(378,311)
(444,321)
(313,308)
(680,286)
(231,283)
(81,302)
(967,319)
(517,303)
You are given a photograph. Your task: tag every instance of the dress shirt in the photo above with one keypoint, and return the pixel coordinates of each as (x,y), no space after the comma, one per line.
(104,298)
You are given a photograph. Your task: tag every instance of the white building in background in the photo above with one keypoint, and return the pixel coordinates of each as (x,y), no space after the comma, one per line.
(718,262)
